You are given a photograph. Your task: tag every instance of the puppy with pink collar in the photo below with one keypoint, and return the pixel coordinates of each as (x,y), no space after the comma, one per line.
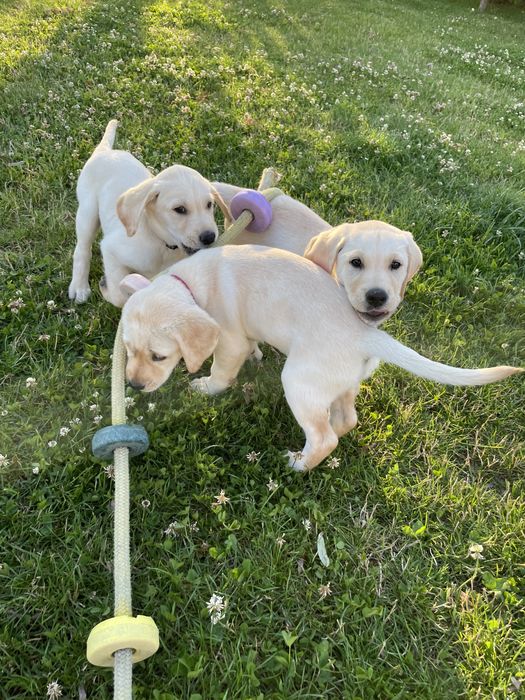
(226,300)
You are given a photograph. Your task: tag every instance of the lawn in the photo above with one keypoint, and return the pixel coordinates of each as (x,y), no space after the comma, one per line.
(411,112)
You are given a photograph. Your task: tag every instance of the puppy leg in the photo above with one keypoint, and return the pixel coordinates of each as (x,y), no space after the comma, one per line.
(228,358)
(87,224)
(343,416)
(255,352)
(114,273)
(312,415)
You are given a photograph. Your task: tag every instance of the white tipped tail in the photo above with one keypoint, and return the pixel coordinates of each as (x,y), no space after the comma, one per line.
(109,136)
(380,344)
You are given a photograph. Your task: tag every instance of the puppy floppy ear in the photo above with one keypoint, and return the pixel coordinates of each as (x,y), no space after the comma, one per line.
(222,206)
(132,283)
(131,204)
(197,335)
(324,248)
(415,260)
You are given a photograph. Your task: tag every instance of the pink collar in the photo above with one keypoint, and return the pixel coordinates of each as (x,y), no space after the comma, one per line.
(176,277)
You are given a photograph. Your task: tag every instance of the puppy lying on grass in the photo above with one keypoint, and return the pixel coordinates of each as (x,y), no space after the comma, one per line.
(225,300)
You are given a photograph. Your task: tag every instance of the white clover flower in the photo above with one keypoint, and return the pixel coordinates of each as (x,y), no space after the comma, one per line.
(307,524)
(44,337)
(216,606)
(4,462)
(280,541)
(51,305)
(474,551)
(221,499)
(334,462)
(54,690)
(252,456)
(109,471)
(172,529)
(151,407)
(36,470)
(52,443)
(30,382)
(64,431)
(15,305)
(216,603)
(325,590)
(97,419)
(93,407)
(129,401)
(272,485)
(145,503)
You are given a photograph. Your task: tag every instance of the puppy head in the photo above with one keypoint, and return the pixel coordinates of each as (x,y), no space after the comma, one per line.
(177,206)
(162,324)
(373,260)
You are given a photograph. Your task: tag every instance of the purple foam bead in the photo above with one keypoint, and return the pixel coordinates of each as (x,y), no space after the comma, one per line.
(257,204)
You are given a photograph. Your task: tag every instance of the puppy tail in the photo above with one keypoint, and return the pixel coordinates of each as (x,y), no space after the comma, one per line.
(109,136)
(386,348)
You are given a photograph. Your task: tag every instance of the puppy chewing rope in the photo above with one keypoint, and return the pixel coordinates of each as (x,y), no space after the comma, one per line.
(123,639)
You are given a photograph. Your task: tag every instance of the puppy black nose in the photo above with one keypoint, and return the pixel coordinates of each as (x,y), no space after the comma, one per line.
(136,385)
(376,297)
(207,237)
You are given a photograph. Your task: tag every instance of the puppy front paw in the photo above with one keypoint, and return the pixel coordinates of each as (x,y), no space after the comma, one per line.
(296,461)
(80,294)
(201,385)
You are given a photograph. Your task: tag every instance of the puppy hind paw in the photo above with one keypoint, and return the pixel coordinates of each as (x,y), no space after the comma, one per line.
(296,461)
(256,354)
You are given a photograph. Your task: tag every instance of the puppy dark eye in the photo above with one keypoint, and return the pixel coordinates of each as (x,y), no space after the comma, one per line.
(180,210)
(356,262)
(157,358)
(395,265)
(209,205)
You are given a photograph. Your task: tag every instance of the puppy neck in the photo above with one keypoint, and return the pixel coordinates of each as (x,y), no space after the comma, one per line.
(179,279)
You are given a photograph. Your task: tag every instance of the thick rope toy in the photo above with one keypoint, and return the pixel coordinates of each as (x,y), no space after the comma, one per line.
(123,639)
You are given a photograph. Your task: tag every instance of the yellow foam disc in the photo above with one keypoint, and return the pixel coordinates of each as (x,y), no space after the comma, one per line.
(122,632)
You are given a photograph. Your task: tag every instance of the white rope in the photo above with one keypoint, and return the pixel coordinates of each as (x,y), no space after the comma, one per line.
(123,669)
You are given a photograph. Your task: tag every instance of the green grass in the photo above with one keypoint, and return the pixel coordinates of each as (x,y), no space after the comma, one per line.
(410,112)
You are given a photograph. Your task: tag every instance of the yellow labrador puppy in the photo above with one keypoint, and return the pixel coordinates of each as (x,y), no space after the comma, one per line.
(146,221)
(373,260)
(151,222)
(225,300)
